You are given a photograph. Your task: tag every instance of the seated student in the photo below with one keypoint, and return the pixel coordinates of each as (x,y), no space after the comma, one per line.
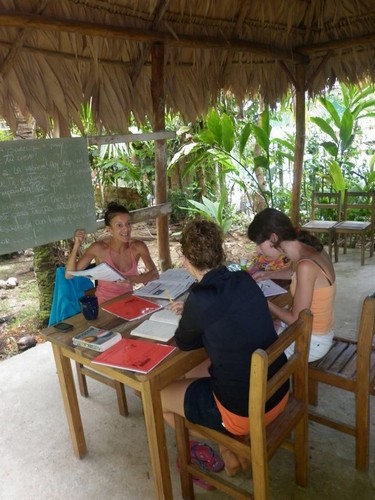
(313,277)
(118,250)
(226,313)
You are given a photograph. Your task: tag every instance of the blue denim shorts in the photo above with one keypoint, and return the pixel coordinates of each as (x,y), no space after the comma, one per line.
(200,406)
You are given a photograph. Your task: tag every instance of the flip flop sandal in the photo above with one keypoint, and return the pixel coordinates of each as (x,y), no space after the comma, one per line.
(199,482)
(205,457)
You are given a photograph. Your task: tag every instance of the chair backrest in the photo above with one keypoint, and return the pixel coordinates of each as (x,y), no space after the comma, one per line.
(366,334)
(359,205)
(296,366)
(325,206)
(262,389)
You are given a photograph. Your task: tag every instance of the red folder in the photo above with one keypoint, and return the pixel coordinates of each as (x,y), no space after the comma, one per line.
(132,307)
(134,355)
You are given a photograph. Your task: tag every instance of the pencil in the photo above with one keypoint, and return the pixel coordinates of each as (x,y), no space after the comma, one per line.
(168,296)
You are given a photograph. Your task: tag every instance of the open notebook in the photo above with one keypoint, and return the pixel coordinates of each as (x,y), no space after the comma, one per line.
(160,326)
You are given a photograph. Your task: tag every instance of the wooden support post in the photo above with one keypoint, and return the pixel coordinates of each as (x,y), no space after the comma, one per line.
(157,92)
(299,143)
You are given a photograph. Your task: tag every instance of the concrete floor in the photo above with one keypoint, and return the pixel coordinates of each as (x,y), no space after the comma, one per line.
(37,460)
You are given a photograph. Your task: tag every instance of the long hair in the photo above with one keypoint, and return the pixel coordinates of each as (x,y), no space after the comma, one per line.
(271,221)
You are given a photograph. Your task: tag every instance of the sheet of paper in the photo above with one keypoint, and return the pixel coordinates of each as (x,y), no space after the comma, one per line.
(270,288)
(102,271)
(173,283)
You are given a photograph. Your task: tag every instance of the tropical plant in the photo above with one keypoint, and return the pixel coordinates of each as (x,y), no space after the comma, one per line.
(212,210)
(341,125)
(225,152)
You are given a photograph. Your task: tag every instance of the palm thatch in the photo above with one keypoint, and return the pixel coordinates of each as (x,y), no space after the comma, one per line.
(56,54)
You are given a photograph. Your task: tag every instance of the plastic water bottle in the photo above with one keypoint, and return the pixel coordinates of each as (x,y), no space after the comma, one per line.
(243,264)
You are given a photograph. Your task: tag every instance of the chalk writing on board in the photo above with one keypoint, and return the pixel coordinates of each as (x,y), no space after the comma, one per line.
(45,192)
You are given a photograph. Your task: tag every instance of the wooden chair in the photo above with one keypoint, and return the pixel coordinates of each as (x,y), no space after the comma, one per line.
(264,441)
(363,203)
(350,366)
(323,205)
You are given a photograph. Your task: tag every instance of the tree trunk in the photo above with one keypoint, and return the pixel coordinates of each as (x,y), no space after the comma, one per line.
(44,268)
(259,203)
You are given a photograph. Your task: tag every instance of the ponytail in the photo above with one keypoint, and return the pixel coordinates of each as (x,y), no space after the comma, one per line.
(309,239)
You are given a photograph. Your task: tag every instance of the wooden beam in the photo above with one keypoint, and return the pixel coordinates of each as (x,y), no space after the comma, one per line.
(25,20)
(144,136)
(158,14)
(348,43)
(288,73)
(299,142)
(144,214)
(158,106)
(118,62)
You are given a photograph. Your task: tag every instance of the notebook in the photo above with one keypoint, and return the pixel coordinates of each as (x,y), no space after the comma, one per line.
(132,307)
(135,355)
(161,326)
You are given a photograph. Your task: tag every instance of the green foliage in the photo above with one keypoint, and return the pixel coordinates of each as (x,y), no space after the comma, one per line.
(212,210)
(179,202)
(341,124)
(6,135)
(227,148)
(337,178)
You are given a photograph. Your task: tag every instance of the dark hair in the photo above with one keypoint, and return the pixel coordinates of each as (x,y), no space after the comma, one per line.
(202,243)
(270,221)
(114,209)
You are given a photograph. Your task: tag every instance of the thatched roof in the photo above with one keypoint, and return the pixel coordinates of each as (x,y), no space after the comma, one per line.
(55,54)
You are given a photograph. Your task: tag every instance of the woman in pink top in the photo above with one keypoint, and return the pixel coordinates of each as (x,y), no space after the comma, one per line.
(118,250)
(313,277)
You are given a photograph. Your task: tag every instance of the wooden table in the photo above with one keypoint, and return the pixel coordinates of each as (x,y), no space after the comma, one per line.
(148,385)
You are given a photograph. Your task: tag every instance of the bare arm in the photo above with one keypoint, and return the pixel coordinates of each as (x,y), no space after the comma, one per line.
(77,265)
(281,274)
(306,278)
(151,271)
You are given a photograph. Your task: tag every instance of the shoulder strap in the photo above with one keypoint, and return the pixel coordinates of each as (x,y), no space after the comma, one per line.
(320,267)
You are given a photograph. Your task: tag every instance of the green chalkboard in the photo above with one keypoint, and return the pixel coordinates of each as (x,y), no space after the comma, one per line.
(45,192)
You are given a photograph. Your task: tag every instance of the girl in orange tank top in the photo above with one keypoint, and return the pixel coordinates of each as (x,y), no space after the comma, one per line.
(313,277)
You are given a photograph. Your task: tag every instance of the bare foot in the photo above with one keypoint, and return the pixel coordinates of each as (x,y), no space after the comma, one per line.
(232,464)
